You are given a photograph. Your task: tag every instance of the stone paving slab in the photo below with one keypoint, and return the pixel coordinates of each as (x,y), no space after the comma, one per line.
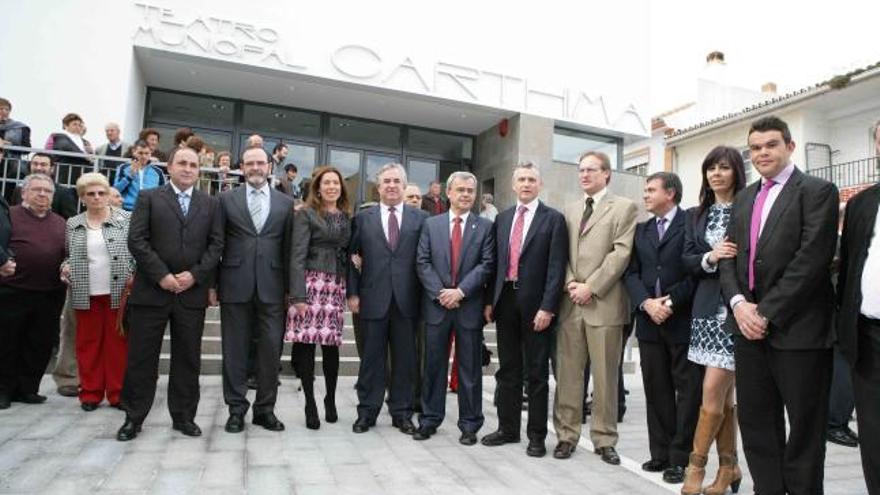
(58,448)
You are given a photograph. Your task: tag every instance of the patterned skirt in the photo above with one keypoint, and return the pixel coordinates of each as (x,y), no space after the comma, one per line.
(322,322)
(710,344)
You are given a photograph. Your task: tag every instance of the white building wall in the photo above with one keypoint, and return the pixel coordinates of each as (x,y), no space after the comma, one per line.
(850,136)
(78,56)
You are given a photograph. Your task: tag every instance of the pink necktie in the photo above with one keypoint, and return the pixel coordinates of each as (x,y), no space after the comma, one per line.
(755,231)
(516,243)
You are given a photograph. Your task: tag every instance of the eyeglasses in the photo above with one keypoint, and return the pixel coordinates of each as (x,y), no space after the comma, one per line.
(41,190)
(96,194)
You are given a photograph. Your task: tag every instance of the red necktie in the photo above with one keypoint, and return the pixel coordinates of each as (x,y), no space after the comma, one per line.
(456,248)
(516,239)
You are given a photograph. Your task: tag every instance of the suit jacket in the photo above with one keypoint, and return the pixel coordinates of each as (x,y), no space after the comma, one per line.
(858,230)
(386,272)
(542,260)
(254,262)
(476,262)
(707,294)
(792,264)
(65,202)
(316,247)
(163,241)
(653,257)
(599,257)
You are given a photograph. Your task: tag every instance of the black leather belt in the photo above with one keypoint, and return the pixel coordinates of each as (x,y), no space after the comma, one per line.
(513,284)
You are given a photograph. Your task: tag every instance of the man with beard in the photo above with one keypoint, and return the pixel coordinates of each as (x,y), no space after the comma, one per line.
(257,222)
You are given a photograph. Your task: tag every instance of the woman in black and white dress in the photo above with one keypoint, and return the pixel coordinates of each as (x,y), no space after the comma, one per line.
(723,175)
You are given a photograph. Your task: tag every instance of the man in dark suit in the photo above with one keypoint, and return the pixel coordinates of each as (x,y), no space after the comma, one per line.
(432,202)
(456,257)
(858,321)
(779,287)
(176,239)
(385,293)
(531,255)
(253,277)
(660,290)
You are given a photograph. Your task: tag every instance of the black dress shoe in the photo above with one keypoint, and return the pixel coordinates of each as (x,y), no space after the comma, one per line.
(609,455)
(88,406)
(5,403)
(235,423)
(536,448)
(621,410)
(674,474)
(563,450)
(655,466)
(497,438)
(188,428)
(362,425)
(128,431)
(842,437)
(405,425)
(424,432)
(268,421)
(467,438)
(30,398)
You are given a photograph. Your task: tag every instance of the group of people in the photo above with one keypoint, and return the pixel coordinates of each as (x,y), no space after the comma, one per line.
(732,300)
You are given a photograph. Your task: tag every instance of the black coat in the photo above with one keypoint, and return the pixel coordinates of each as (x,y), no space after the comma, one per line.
(542,261)
(386,273)
(858,229)
(707,293)
(163,241)
(5,231)
(793,261)
(653,257)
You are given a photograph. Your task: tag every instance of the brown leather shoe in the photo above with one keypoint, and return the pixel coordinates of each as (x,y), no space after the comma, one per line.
(563,450)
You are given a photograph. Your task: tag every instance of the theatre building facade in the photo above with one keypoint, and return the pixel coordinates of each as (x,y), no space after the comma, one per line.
(354,86)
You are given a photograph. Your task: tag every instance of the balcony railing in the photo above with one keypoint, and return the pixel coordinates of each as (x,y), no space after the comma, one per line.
(849,174)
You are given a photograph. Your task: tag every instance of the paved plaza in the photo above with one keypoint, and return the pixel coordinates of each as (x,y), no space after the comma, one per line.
(58,448)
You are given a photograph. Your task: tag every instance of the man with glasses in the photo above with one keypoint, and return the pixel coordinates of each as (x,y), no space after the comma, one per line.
(594,309)
(64,200)
(32,297)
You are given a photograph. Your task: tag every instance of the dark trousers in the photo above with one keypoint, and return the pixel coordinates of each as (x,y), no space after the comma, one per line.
(841,400)
(521,350)
(29,322)
(144,346)
(396,334)
(866,381)
(769,383)
(468,349)
(673,393)
(252,328)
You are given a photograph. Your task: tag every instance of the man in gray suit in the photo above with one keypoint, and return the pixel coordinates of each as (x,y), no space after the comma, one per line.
(385,294)
(252,283)
(456,256)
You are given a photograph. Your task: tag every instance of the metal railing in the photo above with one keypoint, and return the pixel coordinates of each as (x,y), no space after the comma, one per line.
(848,174)
(16,165)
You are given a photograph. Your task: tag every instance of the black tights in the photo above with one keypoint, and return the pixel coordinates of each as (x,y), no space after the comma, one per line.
(304,364)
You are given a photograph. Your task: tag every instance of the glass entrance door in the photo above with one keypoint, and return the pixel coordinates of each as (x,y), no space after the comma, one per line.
(348,162)
(374,162)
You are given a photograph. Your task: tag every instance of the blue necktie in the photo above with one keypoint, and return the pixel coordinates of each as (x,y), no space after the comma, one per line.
(183,199)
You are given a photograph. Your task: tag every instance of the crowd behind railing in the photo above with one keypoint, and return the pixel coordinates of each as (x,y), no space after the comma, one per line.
(738,321)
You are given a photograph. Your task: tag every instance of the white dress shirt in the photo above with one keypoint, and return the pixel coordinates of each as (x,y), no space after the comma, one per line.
(531,208)
(870,282)
(463,216)
(398,212)
(599,196)
(264,199)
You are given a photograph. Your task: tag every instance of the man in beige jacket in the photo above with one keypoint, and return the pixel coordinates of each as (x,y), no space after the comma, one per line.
(594,309)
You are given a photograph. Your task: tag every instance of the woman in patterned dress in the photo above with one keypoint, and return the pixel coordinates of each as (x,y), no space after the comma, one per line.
(711,343)
(317,286)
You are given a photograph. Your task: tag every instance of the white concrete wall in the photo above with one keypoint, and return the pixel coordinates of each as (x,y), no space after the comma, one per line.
(63,56)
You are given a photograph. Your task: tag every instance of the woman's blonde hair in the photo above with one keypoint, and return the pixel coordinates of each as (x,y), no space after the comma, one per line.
(91,179)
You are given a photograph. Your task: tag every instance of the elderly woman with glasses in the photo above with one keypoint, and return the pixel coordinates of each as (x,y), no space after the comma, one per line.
(97,269)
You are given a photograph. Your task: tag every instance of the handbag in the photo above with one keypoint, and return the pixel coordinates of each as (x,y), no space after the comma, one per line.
(123,318)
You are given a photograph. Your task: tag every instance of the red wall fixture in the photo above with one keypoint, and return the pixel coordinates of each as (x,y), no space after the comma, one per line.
(503,127)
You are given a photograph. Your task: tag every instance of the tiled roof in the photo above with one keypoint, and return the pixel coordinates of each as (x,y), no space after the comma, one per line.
(836,82)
